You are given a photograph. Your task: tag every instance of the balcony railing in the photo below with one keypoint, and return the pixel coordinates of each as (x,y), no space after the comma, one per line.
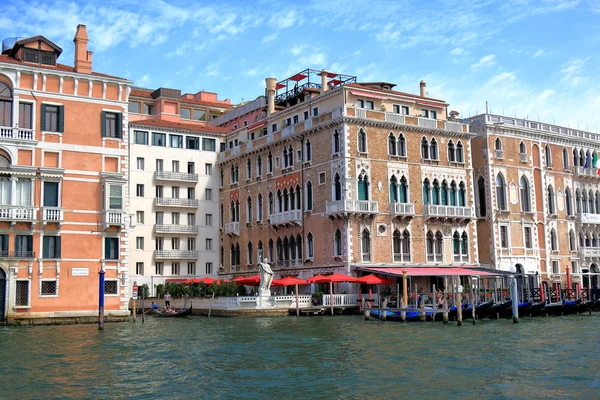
(232,228)
(352,206)
(500,154)
(587,218)
(395,118)
(176,228)
(289,263)
(17,213)
(428,123)
(292,216)
(410,120)
(589,251)
(113,218)
(523,157)
(582,171)
(173,202)
(176,254)
(52,214)
(402,209)
(17,133)
(16,254)
(433,210)
(176,176)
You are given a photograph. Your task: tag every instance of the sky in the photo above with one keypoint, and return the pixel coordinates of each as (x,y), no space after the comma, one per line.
(535,59)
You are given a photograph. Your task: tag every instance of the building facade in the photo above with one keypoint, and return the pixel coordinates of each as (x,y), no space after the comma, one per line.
(63,184)
(173,185)
(537,198)
(329,175)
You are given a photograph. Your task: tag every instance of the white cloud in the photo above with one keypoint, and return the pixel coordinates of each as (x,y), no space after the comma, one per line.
(284,20)
(251,72)
(270,38)
(545,94)
(212,69)
(298,49)
(143,81)
(571,72)
(315,60)
(502,77)
(538,53)
(485,61)
(457,51)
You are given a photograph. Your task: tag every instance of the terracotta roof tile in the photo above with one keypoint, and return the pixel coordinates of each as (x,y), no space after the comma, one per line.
(181,125)
(359,86)
(145,93)
(58,67)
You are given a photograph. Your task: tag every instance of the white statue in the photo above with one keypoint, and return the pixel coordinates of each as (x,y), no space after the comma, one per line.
(266,275)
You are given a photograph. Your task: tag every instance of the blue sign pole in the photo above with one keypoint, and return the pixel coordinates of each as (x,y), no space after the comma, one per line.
(101,300)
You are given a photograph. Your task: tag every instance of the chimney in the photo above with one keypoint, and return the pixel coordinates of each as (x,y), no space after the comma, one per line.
(324,87)
(271,84)
(83,57)
(423,86)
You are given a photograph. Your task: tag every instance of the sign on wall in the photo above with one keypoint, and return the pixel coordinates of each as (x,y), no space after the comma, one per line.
(80,272)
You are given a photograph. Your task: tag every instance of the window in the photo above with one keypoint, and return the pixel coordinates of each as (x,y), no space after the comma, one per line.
(401,146)
(48,288)
(309,196)
(176,141)
(208,244)
(184,113)
(481,196)
(551,200)
(139,268)
(568,201)
(111,248)
(159,190)
(522,148)
(148,109)
(200,115)
(159,243)
(249,256)
(307,151)
(433,153)
(269,163)
(249,209)
(111,125)
(315,111)
(159,268)
(191,268)
(401,246)
(363,187)
(191,244)
(426,192)
(435,192)
(500,192)
(566,158)
(159,139)
(22,293)
(208,194)
(175,268)
(175,242)
(53,118)
(175,192)
(336,142)
(393,189)
(39,56)
(50,194)
(295,119)
(273,127)
(434,246)
(139,217)
(366,246)
(392,148)
(424,149)
(362,141)
(548,155)
(310,247)
(51,247)
(208,144)
(504,240)
(405,110)
(459,153)
(25,110)
(192,143)
(337,243)
(525,194)
(249,169)
(527,237)
(140,164)
(139,243)
(191,193)
(209,268)
(553,240)
(115,199)
(133,107)
(369,105)
(208,169)
(139,190)
(208,220)
(572,243)
(451,151)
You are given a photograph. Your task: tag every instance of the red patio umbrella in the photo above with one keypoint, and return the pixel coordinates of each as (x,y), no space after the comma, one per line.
(207,280)
(247,280)
(316,278)
(374,280)
(289,281)
(192,280)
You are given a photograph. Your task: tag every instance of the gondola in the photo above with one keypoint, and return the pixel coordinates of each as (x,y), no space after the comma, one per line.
(396,315)
(524,308)
(184,312)
(571,307)
(481,310)
(586,306)
(555,308)
(535,309)
(498,308)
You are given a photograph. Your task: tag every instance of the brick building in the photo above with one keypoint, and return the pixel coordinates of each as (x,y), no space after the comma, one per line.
(325,174)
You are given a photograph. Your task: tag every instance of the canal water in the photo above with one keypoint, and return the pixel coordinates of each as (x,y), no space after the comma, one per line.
(310,357)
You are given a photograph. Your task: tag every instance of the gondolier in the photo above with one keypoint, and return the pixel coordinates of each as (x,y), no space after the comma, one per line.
(167,299)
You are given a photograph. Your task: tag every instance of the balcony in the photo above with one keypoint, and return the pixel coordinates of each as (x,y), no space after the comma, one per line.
(352,207)
(172,202)
(16,214)
(499,154)
(402,209)
(587,218)
(175,254)
(292,217)
(52,214)
(191,229)
(16,255)
(586,172)
(21,134)
(113,218)
(523,157)
(232,228)
(408,120)
(175,176)
(447,212)
(589,252)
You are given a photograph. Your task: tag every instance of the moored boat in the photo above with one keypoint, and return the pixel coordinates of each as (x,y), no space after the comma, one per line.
(497,309)
(184,312)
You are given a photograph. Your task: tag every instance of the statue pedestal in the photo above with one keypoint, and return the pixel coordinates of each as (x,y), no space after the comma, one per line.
(264,299)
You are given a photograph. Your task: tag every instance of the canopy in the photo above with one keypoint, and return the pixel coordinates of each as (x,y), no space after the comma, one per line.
(334,278)
(247,280)
(432,271)
(374,280)
(289,281)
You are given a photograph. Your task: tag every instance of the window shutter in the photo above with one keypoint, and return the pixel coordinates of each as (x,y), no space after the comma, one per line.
(106,248)
(57,250)
(119,127)
(46,247)
(4,243)
(43,117)
(29,243)
(50,194)
(61,118)
(103,124)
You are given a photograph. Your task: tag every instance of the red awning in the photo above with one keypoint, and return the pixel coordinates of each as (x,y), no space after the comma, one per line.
(329,74)
(289,281)
(279,86)
(176,280)
(430,271)
(367,94)
(374,280)
(297,77)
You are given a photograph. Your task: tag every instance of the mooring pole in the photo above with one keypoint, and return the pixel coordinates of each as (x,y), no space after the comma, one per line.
(404,289)
(143,309)
(459,305)
(472,299)
(101,300)
(515,299)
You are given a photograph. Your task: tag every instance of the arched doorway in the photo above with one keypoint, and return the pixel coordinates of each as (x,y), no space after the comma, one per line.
(2,294)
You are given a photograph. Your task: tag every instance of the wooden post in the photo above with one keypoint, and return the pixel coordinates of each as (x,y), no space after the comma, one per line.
(445,312)
(515,299)
(472,300)
(459,305)
(383,307)
(210,304)
(397,295)
(297,305)
(404,290)
(366,312)
(402,309)
(331,297)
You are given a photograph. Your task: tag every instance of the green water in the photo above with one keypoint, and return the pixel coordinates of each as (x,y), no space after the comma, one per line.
(308,358)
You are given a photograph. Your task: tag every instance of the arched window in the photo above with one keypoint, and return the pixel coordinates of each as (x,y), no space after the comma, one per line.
(362,141)
(424,149)
(366,246)
(232,212)
(393,189)
(260,255)
(269,163)
(587,240)
(249,169)
(392,149)
(459,152)
(594,242)
(292,199)
(232,256)
(222,179)
(271,204)
(337,188)
(481,196)
(286,201)
(581,242)
(259,166)
(577,201)
(307,151)
(451,151)
(336,142)
(430,246)
(522,149)
(290,156)
(439,247)
(222,215)
(584,202)
(553,240)
(222,257)
(548,155)
(293,248)
(298,247)
(572,242)
(435,192)
(286,249)
(426,192)
(433,151)
(461,194)
(298,198)
(444,192)
(309,196)
(401,145)
(568,201)
(6,106)
(337,247)
(403,190)
(250,252)
(581,158)
(498,144)
(500,192)
(525,195)
(249,209)
(310,246)
(232,177)
(452,193)
(363,187)
(590,201)
(259,208)
(405,246)
(237,254)
(464,247)
(279,251)
(566,160)
(551,201)
(456,246)
(271,251)
(401,246)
